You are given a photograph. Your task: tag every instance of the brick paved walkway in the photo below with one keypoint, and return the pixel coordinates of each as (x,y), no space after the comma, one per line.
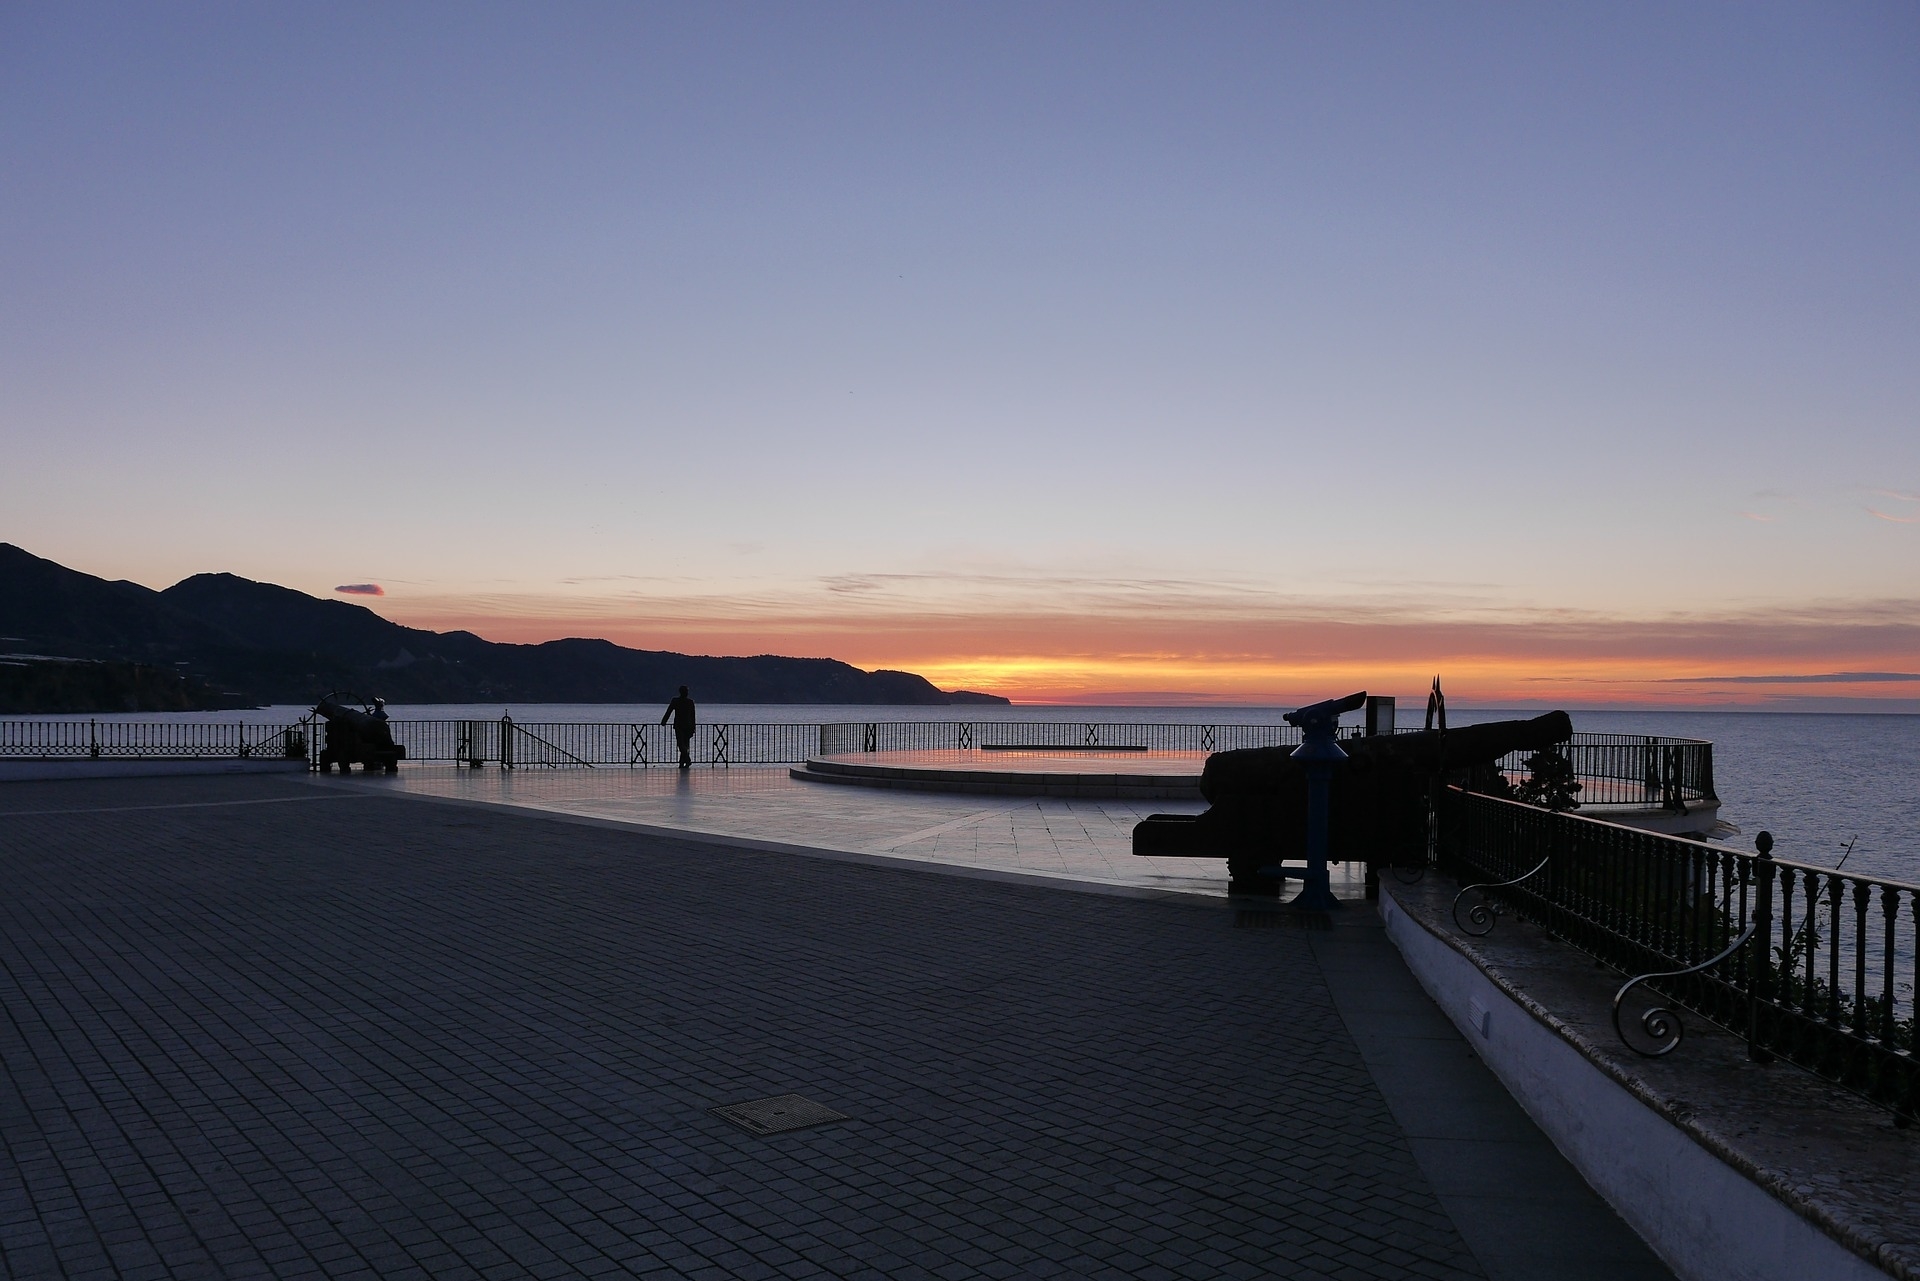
(257,1028)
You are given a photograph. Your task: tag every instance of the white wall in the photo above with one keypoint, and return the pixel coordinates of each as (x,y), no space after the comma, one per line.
(1700,1215)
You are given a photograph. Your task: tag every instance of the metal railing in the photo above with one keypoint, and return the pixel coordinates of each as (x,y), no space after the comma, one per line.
(1631,769)
(1825,980)
(960,736)
(562,745)
(1612,768)
(515,744)
(116,740)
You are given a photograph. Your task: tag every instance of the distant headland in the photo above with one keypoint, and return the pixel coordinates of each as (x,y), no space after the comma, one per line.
(71,642)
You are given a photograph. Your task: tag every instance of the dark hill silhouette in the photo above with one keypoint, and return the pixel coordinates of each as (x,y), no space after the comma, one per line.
(88,617)
(230,638)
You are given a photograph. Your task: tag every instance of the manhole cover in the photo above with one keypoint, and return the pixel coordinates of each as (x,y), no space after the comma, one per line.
(779,1114)
(1286,919)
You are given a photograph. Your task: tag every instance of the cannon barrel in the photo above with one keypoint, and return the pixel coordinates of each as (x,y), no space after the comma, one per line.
(369,727)
(1256,772)
(1257,797)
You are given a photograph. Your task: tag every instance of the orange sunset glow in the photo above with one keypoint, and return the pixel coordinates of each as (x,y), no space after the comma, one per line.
(1165,655)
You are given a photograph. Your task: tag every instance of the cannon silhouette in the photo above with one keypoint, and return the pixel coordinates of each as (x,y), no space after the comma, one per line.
(1257,815)
(355,736)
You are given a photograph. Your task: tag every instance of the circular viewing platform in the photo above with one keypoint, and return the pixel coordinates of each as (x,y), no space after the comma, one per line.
(1106,773)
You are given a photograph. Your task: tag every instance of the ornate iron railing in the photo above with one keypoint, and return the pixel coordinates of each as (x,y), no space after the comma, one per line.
(1631,769)
(1825,981)
(111,740)
(960,736)
(1612,768)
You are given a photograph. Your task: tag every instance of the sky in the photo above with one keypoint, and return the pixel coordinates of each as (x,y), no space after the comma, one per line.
(1076,352)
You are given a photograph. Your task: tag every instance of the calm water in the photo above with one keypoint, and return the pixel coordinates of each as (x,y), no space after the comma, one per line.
(1814,781)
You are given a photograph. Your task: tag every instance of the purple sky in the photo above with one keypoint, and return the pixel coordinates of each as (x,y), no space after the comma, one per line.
(1064,349)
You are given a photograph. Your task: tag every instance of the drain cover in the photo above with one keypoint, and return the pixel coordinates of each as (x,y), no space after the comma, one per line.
(779,1114)
(1283,920)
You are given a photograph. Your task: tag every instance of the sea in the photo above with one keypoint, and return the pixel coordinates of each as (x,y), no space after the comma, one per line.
(1833,789)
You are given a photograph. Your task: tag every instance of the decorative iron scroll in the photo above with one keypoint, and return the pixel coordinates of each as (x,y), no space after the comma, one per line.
(1486,913)
(1661,1023)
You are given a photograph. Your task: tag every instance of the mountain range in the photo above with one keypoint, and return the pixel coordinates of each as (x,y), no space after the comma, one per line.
(80,643)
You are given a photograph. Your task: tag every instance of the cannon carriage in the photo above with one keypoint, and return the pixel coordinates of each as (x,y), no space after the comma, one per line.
(357,736)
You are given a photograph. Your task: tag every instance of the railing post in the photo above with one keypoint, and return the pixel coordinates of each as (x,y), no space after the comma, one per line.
(1759,964)
(506,741)
(872,737)
(93,740)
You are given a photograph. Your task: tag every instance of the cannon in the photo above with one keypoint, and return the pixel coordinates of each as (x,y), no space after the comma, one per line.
(1257,815)
(357,736)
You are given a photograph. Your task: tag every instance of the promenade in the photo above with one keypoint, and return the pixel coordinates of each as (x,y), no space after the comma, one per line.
(273,1026)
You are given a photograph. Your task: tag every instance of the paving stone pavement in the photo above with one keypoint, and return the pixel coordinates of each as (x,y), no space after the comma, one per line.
(1087,841)
(257,1028)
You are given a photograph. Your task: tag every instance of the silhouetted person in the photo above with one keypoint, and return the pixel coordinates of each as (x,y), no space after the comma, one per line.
(680,711)
(380,710)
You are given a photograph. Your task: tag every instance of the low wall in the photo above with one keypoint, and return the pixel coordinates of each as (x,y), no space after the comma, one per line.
(1706,1219)
(20,771)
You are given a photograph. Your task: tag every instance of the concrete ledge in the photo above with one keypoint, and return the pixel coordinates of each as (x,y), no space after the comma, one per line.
(1729,1170)
(21,771)
(1007,782)
(1701,816)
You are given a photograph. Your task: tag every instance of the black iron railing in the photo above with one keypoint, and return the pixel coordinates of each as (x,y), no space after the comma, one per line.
(601,744)
(1824,981)
(960,736)
(1629,769)
(560,745)
(1612,768)
(111,740)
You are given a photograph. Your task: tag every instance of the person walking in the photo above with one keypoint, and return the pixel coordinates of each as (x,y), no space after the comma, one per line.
(680,712)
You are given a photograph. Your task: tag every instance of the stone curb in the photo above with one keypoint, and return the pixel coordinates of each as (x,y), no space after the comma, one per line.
(1806,1199)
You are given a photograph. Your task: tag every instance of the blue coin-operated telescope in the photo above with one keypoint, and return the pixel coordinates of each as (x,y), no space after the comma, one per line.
(1318,753)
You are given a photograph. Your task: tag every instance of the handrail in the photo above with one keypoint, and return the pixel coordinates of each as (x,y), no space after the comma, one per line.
(1486,913)
(1612,768)
(1812,965)
(1660,1022)
(526,733)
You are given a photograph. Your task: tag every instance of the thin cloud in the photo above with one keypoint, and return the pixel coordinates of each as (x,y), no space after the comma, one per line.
(847,584)
(361,589)
(1764,520)
(1897,495)
(1897,520)
(1817,678)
